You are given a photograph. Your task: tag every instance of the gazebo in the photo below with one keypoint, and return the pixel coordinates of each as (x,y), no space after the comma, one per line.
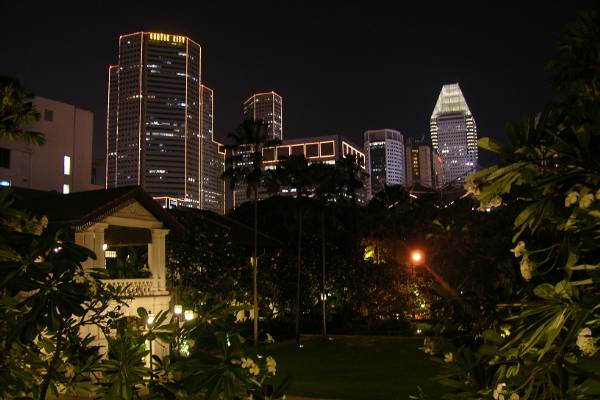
(104,220)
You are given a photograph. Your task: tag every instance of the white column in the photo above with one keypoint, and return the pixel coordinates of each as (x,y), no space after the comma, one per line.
(156,259)
(86,239)
(99,228)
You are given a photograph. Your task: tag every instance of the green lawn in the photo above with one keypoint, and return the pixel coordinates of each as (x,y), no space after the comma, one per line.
(356,368)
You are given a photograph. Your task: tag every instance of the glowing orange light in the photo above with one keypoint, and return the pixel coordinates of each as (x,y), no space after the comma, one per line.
(416,256)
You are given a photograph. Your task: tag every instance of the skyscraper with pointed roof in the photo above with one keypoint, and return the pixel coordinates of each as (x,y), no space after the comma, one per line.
(454,135)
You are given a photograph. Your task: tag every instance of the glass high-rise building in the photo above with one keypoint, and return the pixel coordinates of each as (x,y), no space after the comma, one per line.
(454,135)
(155,135)
(384,151)
(212,158)
(267,107)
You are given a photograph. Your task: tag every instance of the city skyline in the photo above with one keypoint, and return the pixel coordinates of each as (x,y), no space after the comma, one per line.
(325,72)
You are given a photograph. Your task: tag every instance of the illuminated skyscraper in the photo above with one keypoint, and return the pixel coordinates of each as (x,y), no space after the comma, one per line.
(269,108)
(454,135)
(384,151)
(212,161)
(419,167)
(154,116)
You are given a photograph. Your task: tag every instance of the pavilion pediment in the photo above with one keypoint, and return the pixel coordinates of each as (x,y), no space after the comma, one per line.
(135,211)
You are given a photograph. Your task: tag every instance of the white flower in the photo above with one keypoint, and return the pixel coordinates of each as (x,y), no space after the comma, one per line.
(240,316)
(586,200)
(254,370)
(427,346)
(586,342)
(526,268)
(247,362)
(514,396)
(271,365)
(518,250)
(270,338)
(472,188)
(571,199)
(448,358)
(499,391)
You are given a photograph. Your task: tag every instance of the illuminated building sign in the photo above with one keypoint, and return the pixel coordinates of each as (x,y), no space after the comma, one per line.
(165,37)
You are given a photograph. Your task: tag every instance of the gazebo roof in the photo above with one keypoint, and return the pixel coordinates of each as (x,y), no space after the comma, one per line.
(82,209)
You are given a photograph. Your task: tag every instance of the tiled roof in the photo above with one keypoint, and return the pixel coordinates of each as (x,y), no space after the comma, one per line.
(85,208)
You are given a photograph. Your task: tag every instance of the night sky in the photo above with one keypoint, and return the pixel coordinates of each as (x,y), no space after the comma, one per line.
(340,69)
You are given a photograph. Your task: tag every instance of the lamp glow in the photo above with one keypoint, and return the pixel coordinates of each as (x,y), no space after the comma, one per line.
(416,256)
(177,309)
(188,315)
(150,319)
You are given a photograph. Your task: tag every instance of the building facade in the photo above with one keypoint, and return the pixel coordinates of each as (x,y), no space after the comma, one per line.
(212,158)
(419,164)
(63,163)
(156,134)
(385,159)
(267,107)
(320,149)
(454,135)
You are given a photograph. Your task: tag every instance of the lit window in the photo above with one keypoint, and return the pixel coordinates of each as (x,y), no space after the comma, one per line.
(67,165)
(66,189)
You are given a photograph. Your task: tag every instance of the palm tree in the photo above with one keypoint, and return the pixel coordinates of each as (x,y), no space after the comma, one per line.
(294,173)
(17,113)
(244,166)
(326,186)
(352,179)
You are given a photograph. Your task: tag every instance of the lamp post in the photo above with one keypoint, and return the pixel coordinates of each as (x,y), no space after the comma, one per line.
(149,322)
(417,258)
(178,310)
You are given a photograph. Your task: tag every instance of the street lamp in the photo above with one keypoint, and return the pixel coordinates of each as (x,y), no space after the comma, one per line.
(178,310)
(416,257)
(149,322)
(188,315)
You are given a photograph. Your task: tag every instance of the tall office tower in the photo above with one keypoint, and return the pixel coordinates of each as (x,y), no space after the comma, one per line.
(212,159)
(153,121)
(269,108)
(419,167)
(384,151)
(454,135)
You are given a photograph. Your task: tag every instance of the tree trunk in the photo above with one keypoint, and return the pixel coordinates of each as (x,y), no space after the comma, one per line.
(323,294)
(298,275)
(255,268)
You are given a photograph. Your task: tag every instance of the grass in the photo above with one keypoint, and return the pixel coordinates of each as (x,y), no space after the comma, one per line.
(356,368)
